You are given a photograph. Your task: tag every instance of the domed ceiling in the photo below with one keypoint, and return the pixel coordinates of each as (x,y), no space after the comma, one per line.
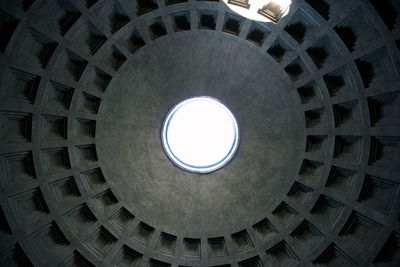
(85,86)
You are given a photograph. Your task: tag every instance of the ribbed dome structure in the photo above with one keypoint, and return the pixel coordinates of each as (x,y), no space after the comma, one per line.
(85,86)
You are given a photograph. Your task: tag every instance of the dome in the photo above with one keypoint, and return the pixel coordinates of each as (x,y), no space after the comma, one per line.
(87,87)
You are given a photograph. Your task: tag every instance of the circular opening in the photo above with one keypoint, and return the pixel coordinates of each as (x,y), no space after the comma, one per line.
(200,134)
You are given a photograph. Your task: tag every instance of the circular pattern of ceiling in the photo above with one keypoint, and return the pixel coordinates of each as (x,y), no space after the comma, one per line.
(85,86)
(134,161)
(200,135)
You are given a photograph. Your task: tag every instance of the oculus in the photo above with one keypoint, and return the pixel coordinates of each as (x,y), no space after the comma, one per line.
(200,134)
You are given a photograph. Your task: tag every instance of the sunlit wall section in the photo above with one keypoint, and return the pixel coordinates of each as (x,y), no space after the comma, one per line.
(260,10)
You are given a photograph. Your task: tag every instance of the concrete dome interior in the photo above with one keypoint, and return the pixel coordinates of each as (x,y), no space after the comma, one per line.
(85,86)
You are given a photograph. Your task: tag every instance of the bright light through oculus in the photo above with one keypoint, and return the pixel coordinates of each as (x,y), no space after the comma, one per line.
(260,10)
(200,134)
